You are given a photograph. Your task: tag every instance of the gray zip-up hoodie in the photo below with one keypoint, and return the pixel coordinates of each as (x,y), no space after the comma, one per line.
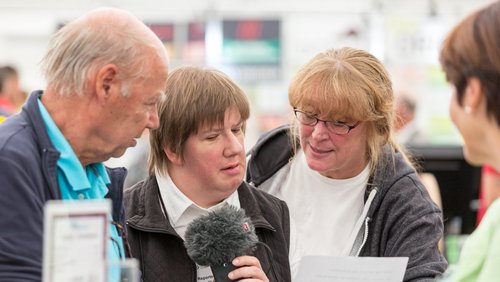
(400,218)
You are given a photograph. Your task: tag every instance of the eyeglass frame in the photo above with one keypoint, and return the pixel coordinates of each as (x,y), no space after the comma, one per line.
(334,123)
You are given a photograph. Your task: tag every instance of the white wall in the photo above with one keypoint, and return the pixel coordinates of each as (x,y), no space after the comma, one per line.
(405,35)
(26,25)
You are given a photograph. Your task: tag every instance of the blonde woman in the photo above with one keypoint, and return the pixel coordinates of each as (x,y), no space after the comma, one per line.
(350,189)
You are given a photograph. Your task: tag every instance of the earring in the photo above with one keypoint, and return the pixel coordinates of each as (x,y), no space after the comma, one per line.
(467,110)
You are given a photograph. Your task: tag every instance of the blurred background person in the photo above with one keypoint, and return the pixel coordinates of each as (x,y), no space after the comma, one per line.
(350,188)
(9,89)
(406,126)
(470,57)
(409,133)
(12,97)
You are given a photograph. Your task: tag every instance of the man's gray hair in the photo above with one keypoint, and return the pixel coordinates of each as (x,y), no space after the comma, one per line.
(103,36)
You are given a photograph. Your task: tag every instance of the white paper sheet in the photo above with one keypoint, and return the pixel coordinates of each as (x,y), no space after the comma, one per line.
(347,269)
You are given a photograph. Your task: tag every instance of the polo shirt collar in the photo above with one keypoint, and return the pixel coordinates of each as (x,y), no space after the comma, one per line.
(77,176)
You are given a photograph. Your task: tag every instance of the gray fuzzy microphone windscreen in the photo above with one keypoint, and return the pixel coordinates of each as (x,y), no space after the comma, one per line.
(220,236)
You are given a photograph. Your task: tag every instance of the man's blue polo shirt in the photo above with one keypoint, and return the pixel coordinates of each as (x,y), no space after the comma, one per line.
(77,183)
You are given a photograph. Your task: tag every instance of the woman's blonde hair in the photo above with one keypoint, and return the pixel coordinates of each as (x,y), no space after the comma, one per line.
(348,83)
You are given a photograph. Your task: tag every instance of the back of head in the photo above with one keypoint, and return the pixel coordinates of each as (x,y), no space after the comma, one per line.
(405,110)
(193,97)
(102,36)
(472,49)
(7,73)
(348,82)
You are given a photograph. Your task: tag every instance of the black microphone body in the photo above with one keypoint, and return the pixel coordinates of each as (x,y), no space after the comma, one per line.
(217,238)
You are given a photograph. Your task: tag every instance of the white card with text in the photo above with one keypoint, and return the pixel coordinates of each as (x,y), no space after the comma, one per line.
(76,240)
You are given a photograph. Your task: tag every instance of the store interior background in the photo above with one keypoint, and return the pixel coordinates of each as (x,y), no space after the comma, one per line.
(262,43)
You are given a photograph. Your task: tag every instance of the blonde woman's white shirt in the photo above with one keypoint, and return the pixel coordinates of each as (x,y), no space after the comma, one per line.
(325,210)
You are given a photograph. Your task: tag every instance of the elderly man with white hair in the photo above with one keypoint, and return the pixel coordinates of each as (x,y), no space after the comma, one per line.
(105,73)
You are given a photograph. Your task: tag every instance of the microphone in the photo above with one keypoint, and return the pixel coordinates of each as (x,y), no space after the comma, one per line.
(217,238)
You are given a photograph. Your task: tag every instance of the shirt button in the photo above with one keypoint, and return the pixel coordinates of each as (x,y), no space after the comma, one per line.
(81,196)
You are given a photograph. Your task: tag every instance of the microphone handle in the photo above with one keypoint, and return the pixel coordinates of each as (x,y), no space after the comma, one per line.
(220,272)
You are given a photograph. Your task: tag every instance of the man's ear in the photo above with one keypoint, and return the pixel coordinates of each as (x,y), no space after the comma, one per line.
(106,81)
(473,94)
(173,157)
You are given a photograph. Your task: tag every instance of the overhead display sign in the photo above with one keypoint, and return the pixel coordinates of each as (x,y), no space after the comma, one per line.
(251,42)
(251,49)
